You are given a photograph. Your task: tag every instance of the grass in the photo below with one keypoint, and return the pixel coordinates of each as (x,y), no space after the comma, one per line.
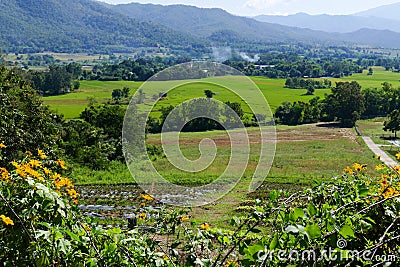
(373,81)
(72,104)
(303,154)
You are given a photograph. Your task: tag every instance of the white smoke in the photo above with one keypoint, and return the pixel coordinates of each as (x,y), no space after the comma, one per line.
(222,54)
(248,58)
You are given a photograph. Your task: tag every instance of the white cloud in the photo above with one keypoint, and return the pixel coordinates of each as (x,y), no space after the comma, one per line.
(261,4)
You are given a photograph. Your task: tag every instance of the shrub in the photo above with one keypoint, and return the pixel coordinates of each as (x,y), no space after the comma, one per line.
(348,221)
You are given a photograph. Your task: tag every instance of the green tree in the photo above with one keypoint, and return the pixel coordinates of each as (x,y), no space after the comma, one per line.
(116,95)
(25,123)
(346,103)
(393,122)
(310,90)
(209,93)
(236,107)
(125,92)
(57,81)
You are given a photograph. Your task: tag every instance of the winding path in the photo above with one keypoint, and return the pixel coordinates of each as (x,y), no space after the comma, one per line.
(388,161)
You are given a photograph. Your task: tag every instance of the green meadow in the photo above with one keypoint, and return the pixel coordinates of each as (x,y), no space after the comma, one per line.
(72,104)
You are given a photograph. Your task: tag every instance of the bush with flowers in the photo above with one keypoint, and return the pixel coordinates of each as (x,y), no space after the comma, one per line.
(352,220)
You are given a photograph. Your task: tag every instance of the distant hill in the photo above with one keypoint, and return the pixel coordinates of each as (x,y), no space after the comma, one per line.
(219,25)
(391,11)
(78,25)
(330,23)
(89,26)
(375,38)
(206,22)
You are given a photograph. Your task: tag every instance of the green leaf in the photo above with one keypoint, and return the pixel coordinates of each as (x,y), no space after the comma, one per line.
(252,250)
(226,240)
(43,261)
(72,235)
(274,242)
(298,213)
(114,231)
(273,195)
(363,192)
(311,209)
(313,231)
(346,231)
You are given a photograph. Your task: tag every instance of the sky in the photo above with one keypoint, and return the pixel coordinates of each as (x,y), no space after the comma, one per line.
(274,7)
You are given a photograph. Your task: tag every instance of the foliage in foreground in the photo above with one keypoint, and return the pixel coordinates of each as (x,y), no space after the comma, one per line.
(352,220)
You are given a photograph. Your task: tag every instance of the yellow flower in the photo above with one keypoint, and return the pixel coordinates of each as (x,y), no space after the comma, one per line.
(397,169)
(34,163)
(72,193)
(41,154)
(358,167)
(377,157)
(380,167)
(28,153)
(6,220)
(142,215)
(4,174)
(61,163)
(16,165)
(349,170)
(87,228)
(183,218)
(46,171)
(398,155)
(21,173)
(60,182)
(34,174)
(148,197)
(204,226)
(2,145)
(56,176)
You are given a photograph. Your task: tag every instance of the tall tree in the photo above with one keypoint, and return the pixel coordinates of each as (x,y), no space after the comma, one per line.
(25,123)
(346,103)
(393,122)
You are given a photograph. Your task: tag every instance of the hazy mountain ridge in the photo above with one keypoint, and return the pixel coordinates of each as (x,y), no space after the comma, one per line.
(332,23)
(207,22)
(390,11)
(89,26)
(204,22)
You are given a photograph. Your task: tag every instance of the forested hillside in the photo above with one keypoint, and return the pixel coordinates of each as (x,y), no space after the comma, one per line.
(79,25)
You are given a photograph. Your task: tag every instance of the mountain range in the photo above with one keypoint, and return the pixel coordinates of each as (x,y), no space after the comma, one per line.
(91,26)
(381,18)
(78,25)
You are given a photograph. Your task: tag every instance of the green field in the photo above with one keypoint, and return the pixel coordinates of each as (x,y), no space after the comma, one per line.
(373,81)
(72,104)
(303,154)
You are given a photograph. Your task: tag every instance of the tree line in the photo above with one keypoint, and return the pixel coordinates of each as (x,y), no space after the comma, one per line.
(346,103)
